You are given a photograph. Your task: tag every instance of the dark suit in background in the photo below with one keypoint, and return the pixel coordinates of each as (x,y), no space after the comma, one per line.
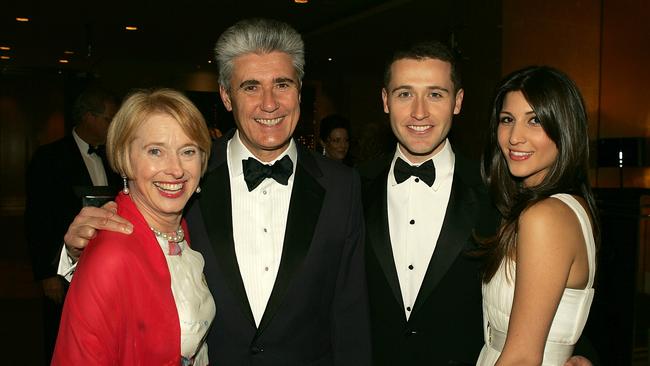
(317,312)
(445,326)
(56,175)
(55,172)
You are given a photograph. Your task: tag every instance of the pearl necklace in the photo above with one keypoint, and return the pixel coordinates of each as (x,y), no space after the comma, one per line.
(175,237)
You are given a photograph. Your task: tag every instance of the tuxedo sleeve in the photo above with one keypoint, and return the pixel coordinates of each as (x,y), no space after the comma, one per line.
(351,330)
(44,203)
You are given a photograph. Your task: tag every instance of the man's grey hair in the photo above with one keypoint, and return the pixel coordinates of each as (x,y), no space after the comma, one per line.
(259,36)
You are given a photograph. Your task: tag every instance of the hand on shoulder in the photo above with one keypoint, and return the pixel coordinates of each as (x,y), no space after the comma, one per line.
(85,225)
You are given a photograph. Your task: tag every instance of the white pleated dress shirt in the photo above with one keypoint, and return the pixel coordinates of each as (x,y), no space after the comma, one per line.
(93,162)
(415,216)
(97,174)
(259,220)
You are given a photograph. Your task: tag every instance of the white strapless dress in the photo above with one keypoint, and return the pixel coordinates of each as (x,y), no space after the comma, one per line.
(571,315)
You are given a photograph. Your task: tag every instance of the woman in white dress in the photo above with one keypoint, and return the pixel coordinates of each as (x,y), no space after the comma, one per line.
(539,273)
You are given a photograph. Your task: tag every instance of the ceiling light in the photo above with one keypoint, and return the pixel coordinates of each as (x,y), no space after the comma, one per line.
(22,19)
(131,28)
(5,57)
(209,61)
(63,61)
(329,59)
(5,48)
(301,1)
(68,52)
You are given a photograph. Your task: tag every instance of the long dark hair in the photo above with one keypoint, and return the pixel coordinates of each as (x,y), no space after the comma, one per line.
(556,101)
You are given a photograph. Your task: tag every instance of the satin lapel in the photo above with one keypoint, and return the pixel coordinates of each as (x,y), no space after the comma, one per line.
(216,209)
(456,230)
(306,202)
(378,236)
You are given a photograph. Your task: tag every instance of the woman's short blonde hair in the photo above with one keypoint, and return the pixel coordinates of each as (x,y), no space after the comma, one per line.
(137,108)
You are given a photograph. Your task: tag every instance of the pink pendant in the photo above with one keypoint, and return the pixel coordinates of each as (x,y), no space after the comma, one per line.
(174,248)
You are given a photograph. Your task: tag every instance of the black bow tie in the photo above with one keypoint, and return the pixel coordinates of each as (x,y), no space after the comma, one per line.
(255,172)
(100,150)
(426,171)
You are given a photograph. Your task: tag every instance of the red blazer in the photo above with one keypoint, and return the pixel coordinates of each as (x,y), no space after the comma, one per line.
(120,309)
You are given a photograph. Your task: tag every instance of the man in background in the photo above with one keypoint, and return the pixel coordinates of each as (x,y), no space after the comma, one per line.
(59,174)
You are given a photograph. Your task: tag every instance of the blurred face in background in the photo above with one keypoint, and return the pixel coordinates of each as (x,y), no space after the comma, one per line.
(97,123)
(337,144)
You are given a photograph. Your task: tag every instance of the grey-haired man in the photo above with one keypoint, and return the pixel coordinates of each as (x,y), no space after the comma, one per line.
(282,245)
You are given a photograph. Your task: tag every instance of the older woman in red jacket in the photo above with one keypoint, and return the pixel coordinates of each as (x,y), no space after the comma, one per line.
(141,299)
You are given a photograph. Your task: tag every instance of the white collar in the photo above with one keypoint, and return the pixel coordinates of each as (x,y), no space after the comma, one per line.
(237,151)
(83,145)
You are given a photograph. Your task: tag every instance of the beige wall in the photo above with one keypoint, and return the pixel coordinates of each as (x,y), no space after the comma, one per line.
(625,80)
(558,33)
(604,46)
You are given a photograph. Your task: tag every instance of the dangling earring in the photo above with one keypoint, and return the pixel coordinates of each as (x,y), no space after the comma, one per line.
(125,190)
(198,189)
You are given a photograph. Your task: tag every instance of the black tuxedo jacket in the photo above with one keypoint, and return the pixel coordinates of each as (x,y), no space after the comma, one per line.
(445,325)
(54,173)
(317,313)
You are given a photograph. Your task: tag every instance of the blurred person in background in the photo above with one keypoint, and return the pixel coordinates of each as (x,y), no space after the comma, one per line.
(335,138)
(58,176)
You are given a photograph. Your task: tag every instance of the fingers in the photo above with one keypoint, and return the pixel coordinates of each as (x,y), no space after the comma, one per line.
(102,218)
(578,361)
(107,215)
(85,225)
(111,223)
(74,252)
(110,206)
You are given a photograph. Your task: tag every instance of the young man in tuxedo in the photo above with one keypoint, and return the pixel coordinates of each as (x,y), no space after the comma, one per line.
(58,174)
(425,206)
(280,228)
(422,205)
